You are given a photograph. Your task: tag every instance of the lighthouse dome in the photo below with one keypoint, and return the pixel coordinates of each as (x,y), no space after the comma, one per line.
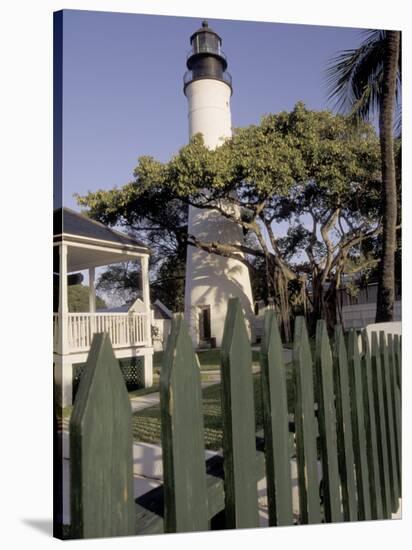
(205,39)
(206,58)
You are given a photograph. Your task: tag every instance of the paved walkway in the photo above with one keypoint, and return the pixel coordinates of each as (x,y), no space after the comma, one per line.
(141,402)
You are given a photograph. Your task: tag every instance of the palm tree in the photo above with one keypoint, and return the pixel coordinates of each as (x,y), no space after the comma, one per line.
(367,81)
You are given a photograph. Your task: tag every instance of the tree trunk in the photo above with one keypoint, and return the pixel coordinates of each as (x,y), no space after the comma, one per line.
(329,307)
(323,305)
(317,303)
(386,281)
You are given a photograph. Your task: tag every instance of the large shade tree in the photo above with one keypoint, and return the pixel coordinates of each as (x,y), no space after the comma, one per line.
(366,81)
(78,298)
(159,220)
(313,170)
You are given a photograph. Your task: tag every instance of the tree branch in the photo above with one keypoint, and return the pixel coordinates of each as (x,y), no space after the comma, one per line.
(324,230)
(228,250)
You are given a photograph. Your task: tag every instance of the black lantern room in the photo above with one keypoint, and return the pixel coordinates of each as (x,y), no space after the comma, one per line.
(206,58)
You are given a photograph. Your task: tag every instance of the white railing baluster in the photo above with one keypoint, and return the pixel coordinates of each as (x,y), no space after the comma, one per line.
(132,329)
(69,332)
(125,329)
(75,332)
(85,343)
(82,343)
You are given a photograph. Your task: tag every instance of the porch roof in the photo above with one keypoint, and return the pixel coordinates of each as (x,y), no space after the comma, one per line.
(91,243)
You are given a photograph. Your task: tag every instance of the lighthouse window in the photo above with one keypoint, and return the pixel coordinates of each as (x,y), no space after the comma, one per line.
(206,42)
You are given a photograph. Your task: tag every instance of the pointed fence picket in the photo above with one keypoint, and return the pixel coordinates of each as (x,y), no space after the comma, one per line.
(395,402)
(306,428)
(358,428)
(397,342)
(276,424)
(397,374)
(381,426)
(185,494)
(101,460)
(371,419)
(390,422)
(344,424)
(346,417)
(327,425)
(238,420)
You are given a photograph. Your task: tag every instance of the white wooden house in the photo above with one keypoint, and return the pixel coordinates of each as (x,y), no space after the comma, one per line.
(162,321)
(79,244)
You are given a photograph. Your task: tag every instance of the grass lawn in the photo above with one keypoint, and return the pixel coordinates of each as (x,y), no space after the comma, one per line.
(146,423)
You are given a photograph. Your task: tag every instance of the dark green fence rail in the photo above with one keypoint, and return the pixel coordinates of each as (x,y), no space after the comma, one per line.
(346,419)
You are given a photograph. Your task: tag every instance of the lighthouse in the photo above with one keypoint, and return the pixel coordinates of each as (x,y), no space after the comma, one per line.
(211,279)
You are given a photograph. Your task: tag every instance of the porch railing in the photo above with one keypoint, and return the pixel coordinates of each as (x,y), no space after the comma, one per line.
(125,329)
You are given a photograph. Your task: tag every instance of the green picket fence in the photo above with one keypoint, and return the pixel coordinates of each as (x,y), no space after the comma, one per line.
(347,444)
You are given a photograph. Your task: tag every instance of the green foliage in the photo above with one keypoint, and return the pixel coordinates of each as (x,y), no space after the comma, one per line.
(305,155)
(122,282)
(78,297)
(258,278)
(316,170)
(355,77)
(169,285)
(158,219)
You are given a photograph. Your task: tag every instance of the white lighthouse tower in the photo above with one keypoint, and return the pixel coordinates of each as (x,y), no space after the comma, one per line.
(211,279)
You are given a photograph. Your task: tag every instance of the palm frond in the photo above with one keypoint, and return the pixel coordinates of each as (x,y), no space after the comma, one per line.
(354,77)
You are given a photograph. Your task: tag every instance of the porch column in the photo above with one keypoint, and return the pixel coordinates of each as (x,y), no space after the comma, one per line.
(63,301)
(92,290)
(92,301)
(148,356)
(62,364)
(144,262)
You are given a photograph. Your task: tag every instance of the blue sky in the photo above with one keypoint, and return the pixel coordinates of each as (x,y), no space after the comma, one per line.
(123,94)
